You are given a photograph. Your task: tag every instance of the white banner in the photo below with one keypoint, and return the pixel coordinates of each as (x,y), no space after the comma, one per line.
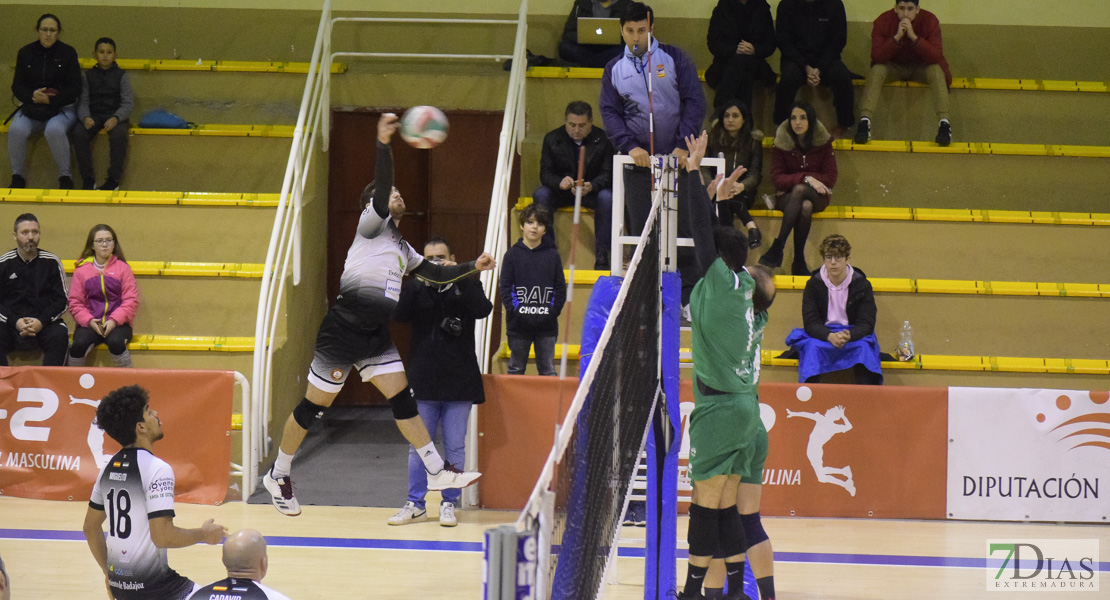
(1021,454)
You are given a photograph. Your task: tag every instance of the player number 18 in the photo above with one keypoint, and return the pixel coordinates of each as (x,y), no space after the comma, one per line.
(119,519)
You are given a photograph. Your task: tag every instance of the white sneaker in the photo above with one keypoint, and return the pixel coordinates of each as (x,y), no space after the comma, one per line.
(450,478)
(447,515)
(281,493)
(408,514)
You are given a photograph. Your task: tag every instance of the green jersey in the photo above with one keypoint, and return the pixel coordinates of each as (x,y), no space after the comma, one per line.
(728,333)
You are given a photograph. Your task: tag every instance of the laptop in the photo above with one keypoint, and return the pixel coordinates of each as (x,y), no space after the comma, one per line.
(592,30)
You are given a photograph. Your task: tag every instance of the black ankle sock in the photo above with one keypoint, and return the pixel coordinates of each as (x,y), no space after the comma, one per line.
(695,576)
(735,573)
(766,587)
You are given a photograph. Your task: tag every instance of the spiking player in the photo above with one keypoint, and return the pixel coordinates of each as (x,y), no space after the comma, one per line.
(355,332)
(134,493)
(728,443)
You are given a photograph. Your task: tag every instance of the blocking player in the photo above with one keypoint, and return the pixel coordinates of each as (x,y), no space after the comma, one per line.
(355,332)
(134,493)
(728,443)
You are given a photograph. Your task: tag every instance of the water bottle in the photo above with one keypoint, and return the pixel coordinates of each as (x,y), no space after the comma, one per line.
(905,350)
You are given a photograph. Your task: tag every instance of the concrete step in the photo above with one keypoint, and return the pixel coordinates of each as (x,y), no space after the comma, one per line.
(232,234)
(927,180)
(201,306)
(172,162)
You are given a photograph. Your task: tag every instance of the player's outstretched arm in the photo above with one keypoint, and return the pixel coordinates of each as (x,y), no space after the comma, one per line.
(383,165)
(441,274)
(165,534)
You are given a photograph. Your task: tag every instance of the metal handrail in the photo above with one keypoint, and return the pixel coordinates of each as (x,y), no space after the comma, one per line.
(284,250)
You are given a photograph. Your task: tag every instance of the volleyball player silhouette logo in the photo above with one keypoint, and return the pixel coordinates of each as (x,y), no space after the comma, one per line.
(825,426)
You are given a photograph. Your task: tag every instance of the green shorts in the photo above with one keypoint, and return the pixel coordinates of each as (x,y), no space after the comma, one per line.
(727,437)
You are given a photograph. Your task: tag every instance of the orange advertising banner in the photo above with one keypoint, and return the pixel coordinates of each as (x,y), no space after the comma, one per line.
(855,451)
(49,448)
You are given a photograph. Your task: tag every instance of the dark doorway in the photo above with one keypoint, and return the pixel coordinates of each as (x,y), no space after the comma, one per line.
(446,191)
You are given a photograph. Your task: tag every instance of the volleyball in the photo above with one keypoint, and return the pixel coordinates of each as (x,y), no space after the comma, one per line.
(424,127)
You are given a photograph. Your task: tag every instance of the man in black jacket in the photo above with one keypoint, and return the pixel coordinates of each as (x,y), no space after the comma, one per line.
(811,35)
(741,37)
(32,297)
(559,170)
(443,368)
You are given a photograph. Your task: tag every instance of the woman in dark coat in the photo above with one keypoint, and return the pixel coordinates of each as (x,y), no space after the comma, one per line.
(803,170)
(47,83)
(732,138)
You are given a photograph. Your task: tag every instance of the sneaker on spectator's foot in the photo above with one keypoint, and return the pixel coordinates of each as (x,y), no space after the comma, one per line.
(450,478)
(409,513)
(447,516)
(65,182)
(18,182)
(944,134)
(601,261)
(863,131)
(110,184)
(281,493)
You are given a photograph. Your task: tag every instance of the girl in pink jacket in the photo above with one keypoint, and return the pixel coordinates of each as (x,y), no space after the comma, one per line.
(102,298)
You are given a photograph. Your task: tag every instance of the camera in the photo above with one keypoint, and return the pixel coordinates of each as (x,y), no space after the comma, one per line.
(452,326)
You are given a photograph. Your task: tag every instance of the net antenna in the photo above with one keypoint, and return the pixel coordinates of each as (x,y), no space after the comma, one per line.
(579,189)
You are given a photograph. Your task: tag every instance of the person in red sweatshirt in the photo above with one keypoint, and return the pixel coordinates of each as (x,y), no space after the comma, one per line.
(906,44)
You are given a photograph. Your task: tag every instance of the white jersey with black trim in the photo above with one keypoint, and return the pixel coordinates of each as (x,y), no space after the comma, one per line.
(376,262)
(134,487)
(234,588)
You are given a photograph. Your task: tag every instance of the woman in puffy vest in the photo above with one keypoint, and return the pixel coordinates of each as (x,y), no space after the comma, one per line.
(47,83)
(102,298)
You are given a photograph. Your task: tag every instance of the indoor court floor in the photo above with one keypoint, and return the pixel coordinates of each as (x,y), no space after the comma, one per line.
(337,552)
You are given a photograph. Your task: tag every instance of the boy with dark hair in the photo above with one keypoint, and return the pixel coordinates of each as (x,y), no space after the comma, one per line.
(106,103)
(134,493)
(533,291)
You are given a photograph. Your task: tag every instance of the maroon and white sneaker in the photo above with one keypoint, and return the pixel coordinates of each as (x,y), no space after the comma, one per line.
(281,493)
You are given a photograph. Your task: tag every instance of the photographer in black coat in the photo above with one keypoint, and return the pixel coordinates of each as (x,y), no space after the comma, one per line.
(443,372)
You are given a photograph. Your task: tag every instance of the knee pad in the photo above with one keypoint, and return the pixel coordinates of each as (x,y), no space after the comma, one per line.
(732,540)
(404,405)
(702,533)
(753,529)
(307,412)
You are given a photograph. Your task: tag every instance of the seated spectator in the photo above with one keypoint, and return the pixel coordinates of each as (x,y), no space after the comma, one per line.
(559,168)
(533,290)
(32,297)
(803,170)
(741,37)
(47,82)
(811,36)
(443,371)
(838,312)
(590,55)
(106,103)
(102,298)
(906,43)
(733,138)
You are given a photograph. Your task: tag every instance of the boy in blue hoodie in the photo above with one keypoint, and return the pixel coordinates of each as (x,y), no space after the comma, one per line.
(533,291)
